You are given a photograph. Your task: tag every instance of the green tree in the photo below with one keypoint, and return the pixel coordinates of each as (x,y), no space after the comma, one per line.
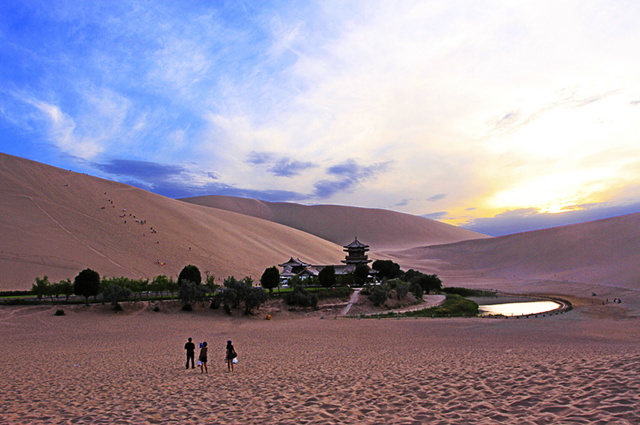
(210,282)
(402,289)
(361,274)
(116,293)
(301,297)
(229,298)
(173,286)
(270,278)
(379,294)
(429,282)
(295,281)
(254,299)
(190,273)
(191,293)
(41,287)
(87,284)
(417,290)
(159,284)
(55,289)
(66,287)
(241,288)
(345,279)
(410,275)
(386,269)
(327,276)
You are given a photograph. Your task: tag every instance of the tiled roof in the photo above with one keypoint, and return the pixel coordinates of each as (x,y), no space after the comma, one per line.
(356,244)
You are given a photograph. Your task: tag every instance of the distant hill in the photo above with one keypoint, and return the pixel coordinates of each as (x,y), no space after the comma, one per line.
(604,252)
(56,222)
(381,229)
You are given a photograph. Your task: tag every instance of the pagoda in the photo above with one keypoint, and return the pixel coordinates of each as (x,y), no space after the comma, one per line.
(356,253)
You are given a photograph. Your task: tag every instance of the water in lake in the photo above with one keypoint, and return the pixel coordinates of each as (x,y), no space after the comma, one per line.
(518,309)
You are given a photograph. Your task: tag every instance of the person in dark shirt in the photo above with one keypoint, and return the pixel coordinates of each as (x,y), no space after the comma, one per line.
(203,358)
(191,352)
(231,354)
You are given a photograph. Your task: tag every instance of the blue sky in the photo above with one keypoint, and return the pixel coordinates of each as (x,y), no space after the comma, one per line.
(497,116)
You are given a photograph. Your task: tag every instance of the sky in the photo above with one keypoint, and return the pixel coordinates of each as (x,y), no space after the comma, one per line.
(496,116)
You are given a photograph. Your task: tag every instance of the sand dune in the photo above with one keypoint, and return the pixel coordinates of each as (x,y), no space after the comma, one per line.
(57,222)
(604,252)
(96,366)
(381,229)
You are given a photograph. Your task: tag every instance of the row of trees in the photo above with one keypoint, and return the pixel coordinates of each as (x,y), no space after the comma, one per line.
(89,284)
(189,286)
(233,293)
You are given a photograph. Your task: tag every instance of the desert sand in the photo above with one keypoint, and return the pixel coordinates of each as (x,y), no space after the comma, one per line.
(96,366)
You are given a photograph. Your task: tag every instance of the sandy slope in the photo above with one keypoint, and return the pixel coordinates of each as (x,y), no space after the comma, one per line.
(380,229)
(604,252)
(52,222)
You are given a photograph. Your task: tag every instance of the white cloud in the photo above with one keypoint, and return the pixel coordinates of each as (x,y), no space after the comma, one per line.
(62,132)
(485,102)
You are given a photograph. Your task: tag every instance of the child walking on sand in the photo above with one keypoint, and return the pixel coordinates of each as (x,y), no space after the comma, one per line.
(203,358)
(231,354)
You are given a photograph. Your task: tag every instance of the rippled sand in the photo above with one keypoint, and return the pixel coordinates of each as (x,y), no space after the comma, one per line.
(94,366)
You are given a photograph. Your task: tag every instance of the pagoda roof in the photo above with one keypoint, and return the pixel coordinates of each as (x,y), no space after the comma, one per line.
(294,262)
(356,244)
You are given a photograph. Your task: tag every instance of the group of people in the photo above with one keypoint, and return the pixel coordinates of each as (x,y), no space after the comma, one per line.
(190,347)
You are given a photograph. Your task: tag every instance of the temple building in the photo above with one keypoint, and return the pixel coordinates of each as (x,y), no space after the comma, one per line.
(356,254)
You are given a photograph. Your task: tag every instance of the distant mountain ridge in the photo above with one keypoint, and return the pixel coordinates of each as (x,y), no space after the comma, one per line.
(381,229)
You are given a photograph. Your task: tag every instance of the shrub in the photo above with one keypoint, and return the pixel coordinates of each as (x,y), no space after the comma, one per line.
(301,297)
(466,292)
(429,282)
(379,294)
(229,298)
(454,306)
(114,294)
(402,289)
(241,289)
(216,300)
(59,312)
(417,290)
(254,299)
(210,283)
(190,293)
(339,292)
(345,280)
